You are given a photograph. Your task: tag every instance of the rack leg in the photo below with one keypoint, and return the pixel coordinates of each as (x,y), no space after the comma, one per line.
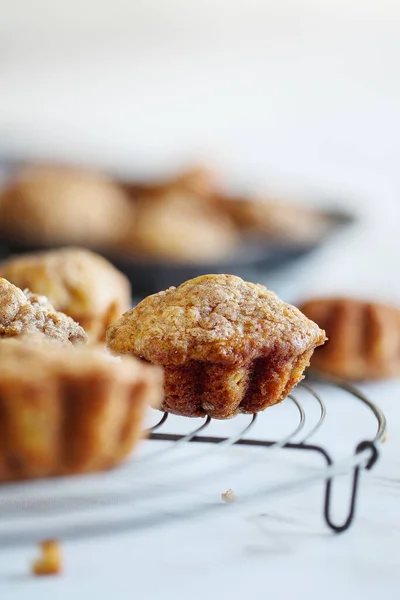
(356,477)
(327,503)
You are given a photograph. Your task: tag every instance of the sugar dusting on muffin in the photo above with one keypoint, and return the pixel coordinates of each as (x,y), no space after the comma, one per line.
(76,281)
(24,312)
(226,345)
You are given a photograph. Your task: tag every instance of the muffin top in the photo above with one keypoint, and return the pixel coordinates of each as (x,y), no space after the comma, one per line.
(47,205)
(75,280)
(217,318)
(182,227)
(24,312)
(29,358)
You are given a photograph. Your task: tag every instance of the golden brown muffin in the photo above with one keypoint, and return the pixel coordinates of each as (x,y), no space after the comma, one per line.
(80,283)
(364,338)
(197,181)
(226,345)
(24,312)
(54,206)
(182,228)
(279,222)
(69,410)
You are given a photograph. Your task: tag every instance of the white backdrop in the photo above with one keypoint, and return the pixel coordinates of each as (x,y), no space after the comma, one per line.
(304,94)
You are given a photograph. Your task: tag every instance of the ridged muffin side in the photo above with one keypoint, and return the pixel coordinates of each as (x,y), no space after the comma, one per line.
(68,411)
(364,338)
(226,346)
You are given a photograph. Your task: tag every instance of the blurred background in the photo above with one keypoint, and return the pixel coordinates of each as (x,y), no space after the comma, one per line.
(296,99)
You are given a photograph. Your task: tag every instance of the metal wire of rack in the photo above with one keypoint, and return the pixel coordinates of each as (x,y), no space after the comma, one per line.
(32,503)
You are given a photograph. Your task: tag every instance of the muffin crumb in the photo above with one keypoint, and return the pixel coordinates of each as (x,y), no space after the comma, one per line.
(229,496)
(50,561)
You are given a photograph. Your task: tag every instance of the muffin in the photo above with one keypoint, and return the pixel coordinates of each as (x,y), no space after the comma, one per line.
(179,227)
(66,410)
(227,346)
(279,222)
(80,283)
(364,338)
(198,181)
(46,206)
(24,312)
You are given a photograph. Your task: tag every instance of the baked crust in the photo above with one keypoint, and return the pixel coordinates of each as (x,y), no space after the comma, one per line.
(69,410)
(364,338)
(24,312)
(48,206)
(226,345)
(276,221)
(181,227)
(199,181)
(80,283)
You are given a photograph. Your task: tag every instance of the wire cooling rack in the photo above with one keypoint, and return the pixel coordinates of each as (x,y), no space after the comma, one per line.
(182,459)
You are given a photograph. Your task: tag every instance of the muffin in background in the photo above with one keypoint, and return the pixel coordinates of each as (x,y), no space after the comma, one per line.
(69,410)
(47,206)
(196,181)
(180,227)
(22,312)
(226,346)
(363,338)
(275,221)
(77,282)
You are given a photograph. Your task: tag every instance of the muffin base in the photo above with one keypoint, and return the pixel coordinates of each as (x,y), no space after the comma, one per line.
(198,388)
(59,428)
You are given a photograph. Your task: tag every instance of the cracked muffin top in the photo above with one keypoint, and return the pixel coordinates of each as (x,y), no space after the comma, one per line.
(217,318)
(24,312)
(76,281)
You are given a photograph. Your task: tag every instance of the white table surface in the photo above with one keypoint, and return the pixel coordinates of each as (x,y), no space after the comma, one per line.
(302,94)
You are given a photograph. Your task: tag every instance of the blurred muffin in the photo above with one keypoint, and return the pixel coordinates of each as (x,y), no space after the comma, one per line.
(77,282)
(54,206)
(364,338)
(182,228)
(69,410)
(24,312)
(288,223)
(226,346)
(197,181)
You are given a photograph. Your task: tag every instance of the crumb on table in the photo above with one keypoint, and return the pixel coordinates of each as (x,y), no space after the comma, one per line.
(228,496)
(50,562)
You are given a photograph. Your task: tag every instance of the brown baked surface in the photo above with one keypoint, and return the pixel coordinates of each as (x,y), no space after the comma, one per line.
(199,181)
(69,410)
(364,338)
(226,345)
(181,227)
(77,282)
(58,205)
(24,312)
(277,221)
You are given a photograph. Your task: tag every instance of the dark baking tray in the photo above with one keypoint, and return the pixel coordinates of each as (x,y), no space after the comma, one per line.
(250,259)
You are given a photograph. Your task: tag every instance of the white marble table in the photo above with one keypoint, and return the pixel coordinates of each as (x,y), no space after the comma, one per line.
(278,544)
(305,93)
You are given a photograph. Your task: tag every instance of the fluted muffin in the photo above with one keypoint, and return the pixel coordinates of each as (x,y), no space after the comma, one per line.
(226,345)
(24,312)
(66,410)
(46,206)
(364,338)
(80,283)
